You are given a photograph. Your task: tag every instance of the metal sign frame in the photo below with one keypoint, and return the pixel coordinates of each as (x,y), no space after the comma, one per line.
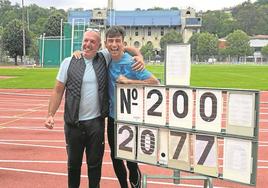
(221,135)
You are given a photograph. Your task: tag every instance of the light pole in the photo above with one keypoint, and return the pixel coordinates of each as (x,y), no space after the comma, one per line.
(23,33)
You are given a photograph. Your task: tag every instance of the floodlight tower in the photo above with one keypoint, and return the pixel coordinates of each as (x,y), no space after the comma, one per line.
(23,31)
(111,11)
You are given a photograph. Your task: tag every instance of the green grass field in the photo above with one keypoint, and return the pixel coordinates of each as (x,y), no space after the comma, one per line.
(220,76)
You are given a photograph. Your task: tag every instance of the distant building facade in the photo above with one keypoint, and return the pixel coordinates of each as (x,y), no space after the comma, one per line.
(257,42)
(141,26)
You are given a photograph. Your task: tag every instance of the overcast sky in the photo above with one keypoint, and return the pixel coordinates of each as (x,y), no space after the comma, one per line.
(203,5)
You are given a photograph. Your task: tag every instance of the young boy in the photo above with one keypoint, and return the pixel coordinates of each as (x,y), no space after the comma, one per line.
(120,71)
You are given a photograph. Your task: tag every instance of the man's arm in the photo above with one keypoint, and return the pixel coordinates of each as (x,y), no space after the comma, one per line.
(124,80)
(54,103)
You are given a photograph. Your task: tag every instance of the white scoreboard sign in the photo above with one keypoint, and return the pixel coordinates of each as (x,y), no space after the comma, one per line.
(189,129)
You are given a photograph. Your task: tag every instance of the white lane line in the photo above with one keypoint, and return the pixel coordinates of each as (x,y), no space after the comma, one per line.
(50,141)
(18,110)
(263,142)
(260,145)
(33,145)
(104,162)
(26,118)
(53,141)
(23,94)
(262,167)
(45,162)
(263,161)
(31,161)
(64,162)
(41,146)
(34,129)
(103,177)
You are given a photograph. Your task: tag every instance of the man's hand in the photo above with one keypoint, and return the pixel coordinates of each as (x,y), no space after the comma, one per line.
(122,79)
(77,54)
(49,123)
(139,64)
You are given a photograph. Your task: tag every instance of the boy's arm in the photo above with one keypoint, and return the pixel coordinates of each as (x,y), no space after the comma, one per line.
(124,80)
(139,64)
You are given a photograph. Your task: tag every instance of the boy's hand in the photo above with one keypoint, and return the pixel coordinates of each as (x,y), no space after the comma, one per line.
(122,79)
(77,54)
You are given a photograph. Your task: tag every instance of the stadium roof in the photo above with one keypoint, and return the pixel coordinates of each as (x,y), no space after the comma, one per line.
(133,18)
(147,18)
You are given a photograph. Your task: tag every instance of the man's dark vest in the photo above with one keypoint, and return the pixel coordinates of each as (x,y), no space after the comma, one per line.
(73,86)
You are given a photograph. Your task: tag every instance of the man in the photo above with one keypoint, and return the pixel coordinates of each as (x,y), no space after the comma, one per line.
(84,81)
(120,71)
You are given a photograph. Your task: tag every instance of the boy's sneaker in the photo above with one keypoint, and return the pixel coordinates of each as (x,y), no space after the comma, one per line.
(138,183)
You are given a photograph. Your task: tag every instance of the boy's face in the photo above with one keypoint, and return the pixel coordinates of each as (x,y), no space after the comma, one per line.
(115,45)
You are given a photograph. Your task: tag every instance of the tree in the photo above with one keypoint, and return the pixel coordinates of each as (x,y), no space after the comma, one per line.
(13,41)
(218,22)
(5,6)
(174,8)
(1,31)
(207,45)
(261,2)
(247,16)
(1,44)
(147,51)
(53,24)
(238,44)
(262,22)
(8,12)
(156,8)
(172,36)
(264,51)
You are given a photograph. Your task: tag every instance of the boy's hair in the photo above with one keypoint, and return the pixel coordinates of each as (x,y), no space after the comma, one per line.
(115,31)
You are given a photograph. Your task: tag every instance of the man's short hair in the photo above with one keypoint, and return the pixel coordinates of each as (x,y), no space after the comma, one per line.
(115,31)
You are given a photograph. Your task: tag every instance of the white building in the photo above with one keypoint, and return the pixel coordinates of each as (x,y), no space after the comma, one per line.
(141,26)
(257,42)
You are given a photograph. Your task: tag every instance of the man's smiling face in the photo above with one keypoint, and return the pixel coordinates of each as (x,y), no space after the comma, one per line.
(91,44)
